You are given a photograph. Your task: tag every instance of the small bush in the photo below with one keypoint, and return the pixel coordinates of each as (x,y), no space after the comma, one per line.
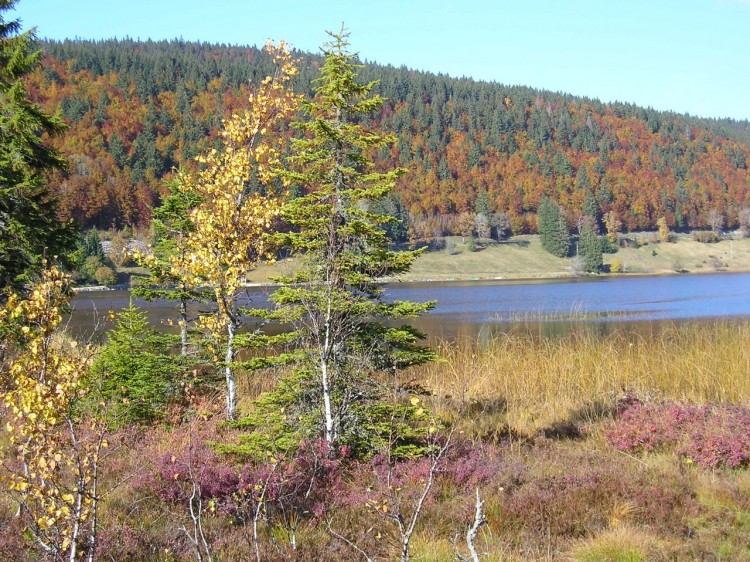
(705,236)
(134,372)
(105,275)
(616,266)
(711,436)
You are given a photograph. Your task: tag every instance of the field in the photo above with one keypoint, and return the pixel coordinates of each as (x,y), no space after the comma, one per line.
(522,257)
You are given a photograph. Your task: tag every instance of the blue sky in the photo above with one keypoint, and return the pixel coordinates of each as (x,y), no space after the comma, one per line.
(682,55)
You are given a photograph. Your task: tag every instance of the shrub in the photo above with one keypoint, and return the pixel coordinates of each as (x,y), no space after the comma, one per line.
(616,266)
(133,371)
(710,435)
(105,276)
(705,236)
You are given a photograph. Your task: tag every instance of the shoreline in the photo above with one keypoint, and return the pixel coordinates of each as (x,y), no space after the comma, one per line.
(522,259)
(510,280)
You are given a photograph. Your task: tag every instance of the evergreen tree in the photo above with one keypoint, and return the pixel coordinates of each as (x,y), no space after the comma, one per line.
(172,226)
(334,301)
(133,370)
(590,248)
(553,229)
(28,222)
(591,209)
(482,206)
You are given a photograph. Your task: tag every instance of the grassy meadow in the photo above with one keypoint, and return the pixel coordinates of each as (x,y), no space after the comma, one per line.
(522,257)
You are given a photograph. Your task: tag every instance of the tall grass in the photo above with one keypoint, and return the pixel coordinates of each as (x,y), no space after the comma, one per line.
(531,383)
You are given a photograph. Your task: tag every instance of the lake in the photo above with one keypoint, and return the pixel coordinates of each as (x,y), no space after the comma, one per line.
(480,309)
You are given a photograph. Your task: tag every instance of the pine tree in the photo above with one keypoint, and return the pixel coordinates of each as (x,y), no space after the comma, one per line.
(136,375)
(28,222)
(334,300)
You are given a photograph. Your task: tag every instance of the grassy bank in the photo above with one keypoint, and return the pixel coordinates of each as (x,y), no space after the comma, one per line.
(530,384)
(522,257)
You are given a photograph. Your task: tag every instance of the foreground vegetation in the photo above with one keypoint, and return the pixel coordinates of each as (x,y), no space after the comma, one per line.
(582,448)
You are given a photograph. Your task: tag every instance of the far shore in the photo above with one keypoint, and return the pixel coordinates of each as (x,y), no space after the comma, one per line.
(522,258)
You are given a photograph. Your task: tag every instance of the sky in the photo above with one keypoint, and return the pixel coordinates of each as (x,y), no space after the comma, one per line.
(687,56)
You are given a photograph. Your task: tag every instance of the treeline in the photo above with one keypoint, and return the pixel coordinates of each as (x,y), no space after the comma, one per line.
(137,110)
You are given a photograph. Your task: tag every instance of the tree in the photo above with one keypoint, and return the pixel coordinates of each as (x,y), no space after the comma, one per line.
(136,373)
(28,214)
(482,225)
(553,230)
(482,206)
(743,218)
(613,225)
(591,210)
(591,250)
(716,221)
(238,203)
(334,301)
(664,234)
(464,224)
(170,256)
(500,223)
(55,477)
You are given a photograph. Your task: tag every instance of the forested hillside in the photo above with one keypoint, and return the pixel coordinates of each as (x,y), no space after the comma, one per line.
(136,110)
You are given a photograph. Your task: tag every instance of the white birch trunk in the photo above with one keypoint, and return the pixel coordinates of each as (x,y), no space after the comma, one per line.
(229,373)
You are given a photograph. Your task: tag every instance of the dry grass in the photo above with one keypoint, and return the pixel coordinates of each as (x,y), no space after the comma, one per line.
(531,383)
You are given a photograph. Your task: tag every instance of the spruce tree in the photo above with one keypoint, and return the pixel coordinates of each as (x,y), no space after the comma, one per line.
(28,214)
(590,249)
(169,255)
(553,229)
(334,301)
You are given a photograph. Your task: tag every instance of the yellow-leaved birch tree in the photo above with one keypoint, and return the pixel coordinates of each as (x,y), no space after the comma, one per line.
(237,188)
(53,472)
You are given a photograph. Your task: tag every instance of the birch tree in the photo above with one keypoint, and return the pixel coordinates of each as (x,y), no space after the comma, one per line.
(55,474)
(237,190)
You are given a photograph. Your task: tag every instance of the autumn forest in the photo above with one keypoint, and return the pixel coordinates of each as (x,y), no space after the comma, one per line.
(138,110)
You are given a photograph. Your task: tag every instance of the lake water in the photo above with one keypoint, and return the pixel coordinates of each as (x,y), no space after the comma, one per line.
(480,309)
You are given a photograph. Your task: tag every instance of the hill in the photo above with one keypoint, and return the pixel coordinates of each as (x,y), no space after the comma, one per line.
(138,109)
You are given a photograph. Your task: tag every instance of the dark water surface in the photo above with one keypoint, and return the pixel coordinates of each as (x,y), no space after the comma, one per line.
(480,309)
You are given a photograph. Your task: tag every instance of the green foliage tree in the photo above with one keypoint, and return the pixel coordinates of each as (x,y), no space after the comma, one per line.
(482,206)
(172,225)
(553,229)
(590,248)
(134,372)
(28,214)
(334,301)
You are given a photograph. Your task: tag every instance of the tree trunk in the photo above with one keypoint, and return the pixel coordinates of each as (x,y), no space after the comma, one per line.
(229,373)
(183,327)
(325,380)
